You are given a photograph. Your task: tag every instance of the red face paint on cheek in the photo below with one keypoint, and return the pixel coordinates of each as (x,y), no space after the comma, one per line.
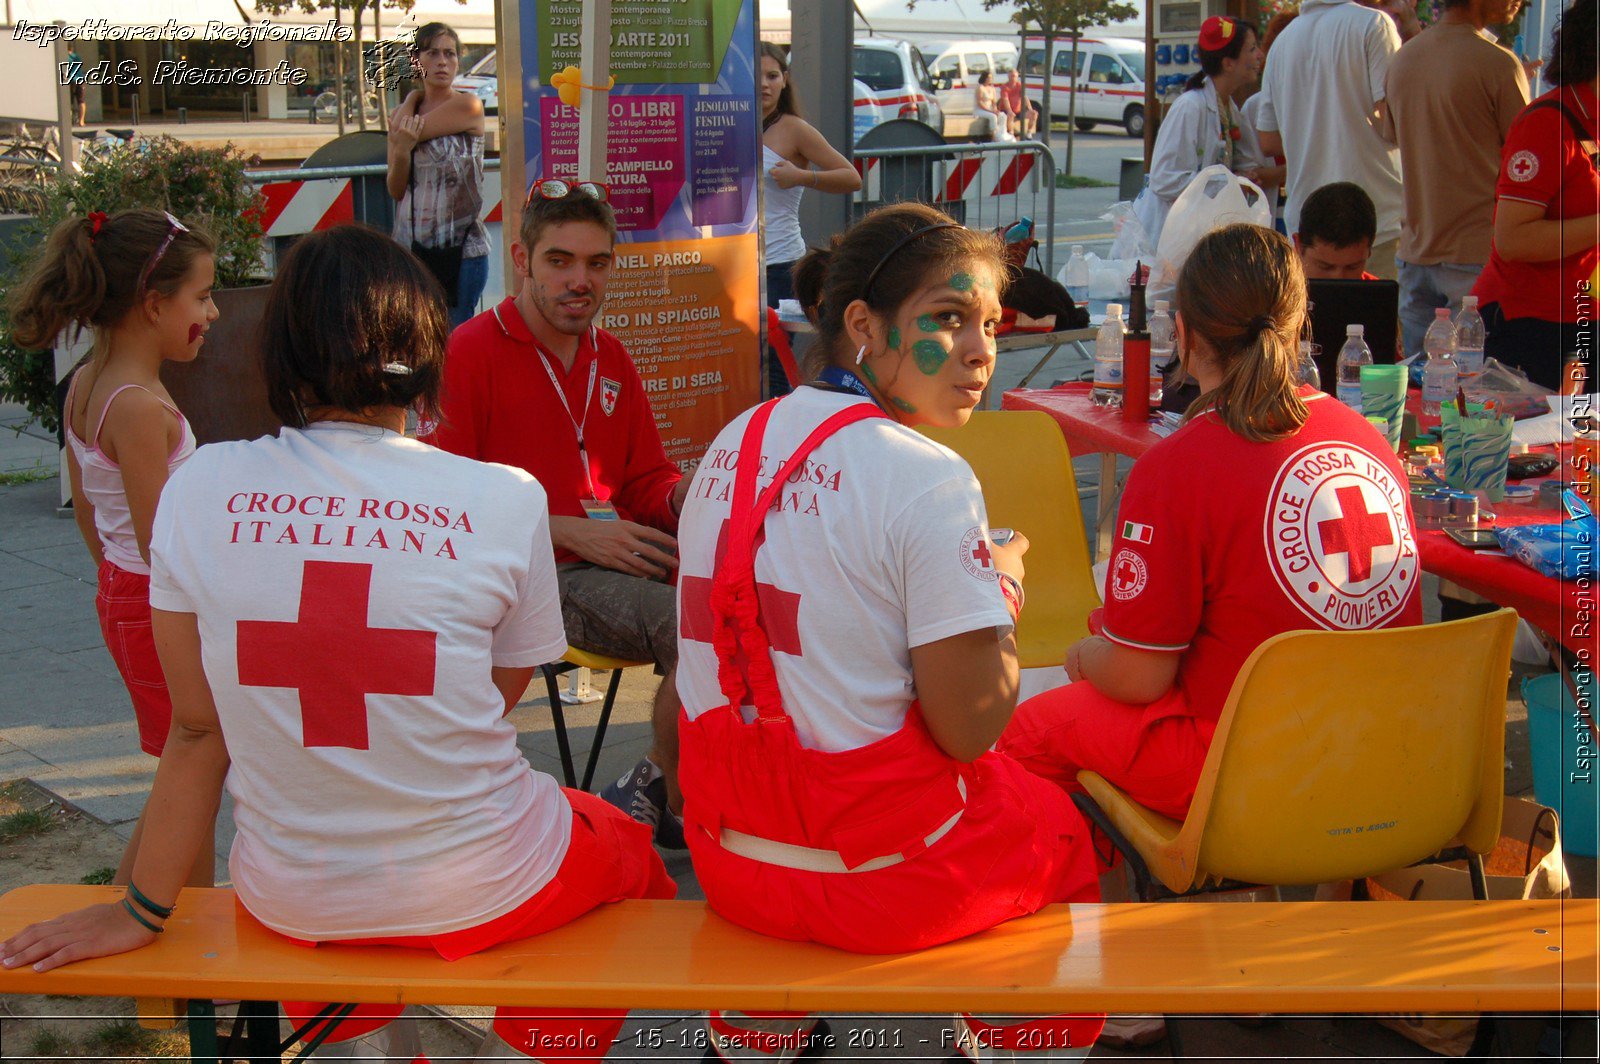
(194,332)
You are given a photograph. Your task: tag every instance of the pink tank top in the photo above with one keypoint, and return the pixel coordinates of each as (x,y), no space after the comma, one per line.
(102,483)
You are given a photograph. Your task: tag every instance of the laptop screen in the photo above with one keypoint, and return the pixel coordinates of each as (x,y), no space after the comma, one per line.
(1336,304)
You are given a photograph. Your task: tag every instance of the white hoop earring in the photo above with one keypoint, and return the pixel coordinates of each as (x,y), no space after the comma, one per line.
(861,354)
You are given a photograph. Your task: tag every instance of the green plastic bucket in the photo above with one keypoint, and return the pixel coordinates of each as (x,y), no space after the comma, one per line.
(1566,768)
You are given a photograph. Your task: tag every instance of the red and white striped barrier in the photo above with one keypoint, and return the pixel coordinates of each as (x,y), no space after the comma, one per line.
(968,177)
(295,207)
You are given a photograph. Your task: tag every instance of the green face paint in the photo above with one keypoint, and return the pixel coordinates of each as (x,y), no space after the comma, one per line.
(866,371)
(894,337)
(930,356)
(961,282)
(901,404)
(927,324)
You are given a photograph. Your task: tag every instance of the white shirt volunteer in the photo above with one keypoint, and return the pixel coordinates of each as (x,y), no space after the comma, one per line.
(1325,77)
(1190,140)
(884,540)
(352,589)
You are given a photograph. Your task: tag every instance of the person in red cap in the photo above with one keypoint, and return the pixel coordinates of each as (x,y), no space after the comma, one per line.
(846,657)
(1203,127)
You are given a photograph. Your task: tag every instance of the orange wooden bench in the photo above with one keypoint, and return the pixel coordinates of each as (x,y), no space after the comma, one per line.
(1265,957)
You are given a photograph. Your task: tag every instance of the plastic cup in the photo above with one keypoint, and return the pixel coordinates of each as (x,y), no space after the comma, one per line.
(1483,446)
(1383,394)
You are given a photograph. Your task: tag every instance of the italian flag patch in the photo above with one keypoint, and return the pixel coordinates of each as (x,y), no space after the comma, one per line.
(1135,532)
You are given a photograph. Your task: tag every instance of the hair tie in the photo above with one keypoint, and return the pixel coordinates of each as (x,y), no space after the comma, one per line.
(96,220)
(398,369)
(1261,323)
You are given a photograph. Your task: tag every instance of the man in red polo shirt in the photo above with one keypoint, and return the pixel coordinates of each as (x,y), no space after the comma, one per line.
(532,383)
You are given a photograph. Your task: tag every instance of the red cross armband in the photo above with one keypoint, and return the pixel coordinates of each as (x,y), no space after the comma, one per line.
(1011,591)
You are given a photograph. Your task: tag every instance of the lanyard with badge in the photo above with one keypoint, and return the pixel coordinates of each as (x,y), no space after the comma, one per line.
(596,508)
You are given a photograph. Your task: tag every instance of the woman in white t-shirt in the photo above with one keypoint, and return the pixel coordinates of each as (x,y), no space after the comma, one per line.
(345,617)
(842,689)
(1202,127)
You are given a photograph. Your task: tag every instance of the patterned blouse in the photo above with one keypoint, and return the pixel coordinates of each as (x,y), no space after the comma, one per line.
(446,187)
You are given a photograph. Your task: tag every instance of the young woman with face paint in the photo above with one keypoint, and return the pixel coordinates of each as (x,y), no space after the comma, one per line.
(140,281)
(839,585)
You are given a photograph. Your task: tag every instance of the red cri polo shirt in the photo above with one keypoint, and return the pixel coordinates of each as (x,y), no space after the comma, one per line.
(1544,163)
(499,404)
(1223,543)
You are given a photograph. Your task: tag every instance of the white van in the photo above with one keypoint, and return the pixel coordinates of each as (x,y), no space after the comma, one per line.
(955,68)
(891,81)
(1110,77)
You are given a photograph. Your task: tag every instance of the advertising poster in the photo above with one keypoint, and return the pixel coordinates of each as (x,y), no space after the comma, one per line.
(684,152)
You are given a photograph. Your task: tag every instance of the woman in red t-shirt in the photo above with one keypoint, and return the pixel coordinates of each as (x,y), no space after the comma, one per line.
(1273,508)
(1537,292)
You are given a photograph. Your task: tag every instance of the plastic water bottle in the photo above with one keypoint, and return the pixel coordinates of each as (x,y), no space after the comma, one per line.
(1107,389)
(1352,356)
(1163,343)
(1308,372)
(1469,344)
(1077,276)
(1439,374)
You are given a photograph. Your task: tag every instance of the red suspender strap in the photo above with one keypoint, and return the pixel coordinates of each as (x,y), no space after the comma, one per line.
(735,607)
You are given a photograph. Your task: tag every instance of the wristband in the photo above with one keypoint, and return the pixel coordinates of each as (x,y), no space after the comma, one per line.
(1011,591)
(138,895)
(157,928)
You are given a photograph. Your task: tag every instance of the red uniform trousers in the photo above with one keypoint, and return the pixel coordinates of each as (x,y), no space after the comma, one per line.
(1153,753)
(611,858)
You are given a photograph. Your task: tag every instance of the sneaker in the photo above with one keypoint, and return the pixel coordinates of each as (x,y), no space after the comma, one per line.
(642,793)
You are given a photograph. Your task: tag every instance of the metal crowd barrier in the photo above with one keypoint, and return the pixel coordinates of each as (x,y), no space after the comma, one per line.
(984,186)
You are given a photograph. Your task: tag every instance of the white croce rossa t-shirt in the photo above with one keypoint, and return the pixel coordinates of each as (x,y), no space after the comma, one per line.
(353,588)
(879,544)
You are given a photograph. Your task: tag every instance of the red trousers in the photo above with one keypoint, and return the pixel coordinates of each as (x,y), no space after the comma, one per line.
(123,603)
(610,858)
(1152,753)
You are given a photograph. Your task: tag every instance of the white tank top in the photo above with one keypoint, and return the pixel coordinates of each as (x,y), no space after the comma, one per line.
(102,483)
(781,213)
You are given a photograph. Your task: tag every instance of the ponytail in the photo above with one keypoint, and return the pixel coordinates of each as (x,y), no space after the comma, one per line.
(66,285)
(1243,292)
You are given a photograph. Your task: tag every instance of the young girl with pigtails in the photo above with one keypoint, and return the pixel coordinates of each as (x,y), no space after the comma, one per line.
(140,281)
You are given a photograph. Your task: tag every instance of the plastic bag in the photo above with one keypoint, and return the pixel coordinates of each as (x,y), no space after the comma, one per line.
(1131,241)
(1565,551)
(1215,198)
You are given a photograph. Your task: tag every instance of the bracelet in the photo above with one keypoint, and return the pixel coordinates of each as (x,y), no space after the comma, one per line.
(138,895)
(157,928)
(1011,590)
(816,179)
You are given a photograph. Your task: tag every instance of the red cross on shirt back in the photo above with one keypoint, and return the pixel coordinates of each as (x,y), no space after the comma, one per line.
(780,610)
(1355,532)
(333,658)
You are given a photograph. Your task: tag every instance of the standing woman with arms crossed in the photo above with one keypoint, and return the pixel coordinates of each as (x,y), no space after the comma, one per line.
(1203,127)
(846,662)
(140,281)
(345,667)
(436,173)
(794,157)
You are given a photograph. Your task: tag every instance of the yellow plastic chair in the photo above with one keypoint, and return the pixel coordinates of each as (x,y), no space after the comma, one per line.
(1338,755)
(1022,463)
(582,659)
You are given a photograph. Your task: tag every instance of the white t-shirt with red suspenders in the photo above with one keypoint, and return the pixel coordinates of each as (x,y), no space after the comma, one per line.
(353,589)
(879,545)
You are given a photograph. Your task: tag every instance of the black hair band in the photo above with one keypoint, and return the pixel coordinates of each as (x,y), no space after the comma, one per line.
(866,289)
